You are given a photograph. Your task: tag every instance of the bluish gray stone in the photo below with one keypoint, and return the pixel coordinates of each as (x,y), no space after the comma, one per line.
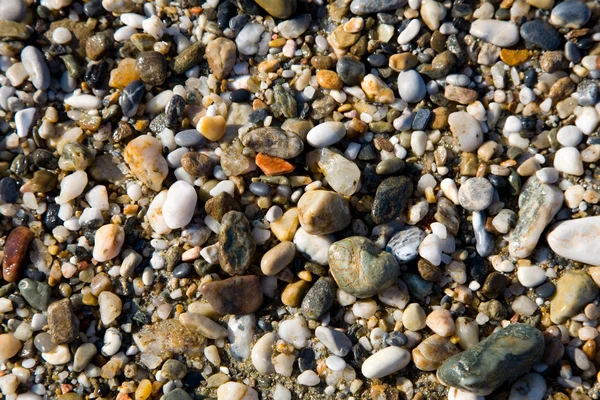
(404,245)
(362,7)
(335,341)
(37,294)
(540,34)
(190,138)
(131,97)
(484,240)
(503,356)
(570,14)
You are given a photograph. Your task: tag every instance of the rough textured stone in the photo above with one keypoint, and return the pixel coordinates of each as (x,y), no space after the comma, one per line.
(237,295)
(391,199)
(236,246)
(63,323)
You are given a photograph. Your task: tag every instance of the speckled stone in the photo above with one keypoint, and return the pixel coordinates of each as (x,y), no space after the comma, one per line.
(360,268)
(236,245)
(503,356)
(391,198)
(574,290)
(319,299)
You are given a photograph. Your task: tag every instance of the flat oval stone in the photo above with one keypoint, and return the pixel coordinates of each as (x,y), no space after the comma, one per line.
(391,199)
(404,245)
(577,240)
(326,134)
(62,321)
(335,341)
(476,194)
(500,33)
(570,14)
(319,299)
(540,34)
(321,212)
(342,174)
(538,204)
(503,356)
(37,294)
(385,362)
(203,325)
(360,268)
(15,250)
(465,130)
(574,290)
(274,142)
(237,295)
(277,258)
(131,97)
(236,245)
(362,7)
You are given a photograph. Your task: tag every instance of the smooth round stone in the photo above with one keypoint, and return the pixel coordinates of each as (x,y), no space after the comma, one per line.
(295,331)
(476,194)
(107,242)
(440,322)
(151,66)
(262,352)
(362,7)
(577,240)
(9,346)
(350,70)
(540,34)
(410,32)
(237,295)
(568,160)
(569,135)
(404,245)
(293,28)
(385,362)
(277,258)
(321,212)
(499,33)
(58,356)
(13,10)
(180,204)
(61,35)
(411,86)
(466,131)
(308,378)
(190,138)
(360,268)
(503,356)
(326,134)
(144,157)
(182,270)
(570,14)
(240,96)
(531,276)
(432,352)
(35,64)
(391,198)
(274,142)
(83,356)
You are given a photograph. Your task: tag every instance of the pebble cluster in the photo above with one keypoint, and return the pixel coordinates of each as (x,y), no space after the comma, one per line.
(299,199)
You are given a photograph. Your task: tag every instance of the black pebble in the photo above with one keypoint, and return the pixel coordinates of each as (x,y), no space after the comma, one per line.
(9,192)
(182,270)
(546,290)
(240,96)
(478,268)
(530,78)
(377,60)
(225,12)
(306,360)
(257,116)
(421,119)
(51,219)
(192,379)
(93,8)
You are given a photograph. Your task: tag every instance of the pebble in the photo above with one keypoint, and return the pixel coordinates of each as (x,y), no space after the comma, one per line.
(360,268)
(308,378)
(466,131)
(314,247)
(221,57)
(570,14)
(575,239)
(539,203)
(326,134)
(502,356)
(274,142)
(145,160)
(236,245)
(62,321)
(411,86)
(440,322)
(131,97)
(531,276)
(237,295)
(15,250)
(414,318)
(499,33)
(37,294)
(530,386)
(319,299)
(574,290)
(363,7)
(108,241)
(234,391)
(10,346)
(277,258)
(9,191)
(342,174)
(83,356)
(568,160)
(110,307)
(248,38)
(180,204)
(241,333)
(540,34)
(350,70)
(431,353)
(13,10)
(336,342)
(476,194)
(262,352)
(295,331)
(385,362)
(151,67)
(321,212)
(391,198)
(202,325)
(35,64)
(404,245)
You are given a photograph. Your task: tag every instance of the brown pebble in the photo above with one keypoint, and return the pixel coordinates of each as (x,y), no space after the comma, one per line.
(440,118)
(63,323)
(460,94)
(221,205)
(196,164)
(322,62)
(403,61)
(514,57)
(237,295)
(15,250)
(552,61)
(428,271)
(562,88)
(293,293)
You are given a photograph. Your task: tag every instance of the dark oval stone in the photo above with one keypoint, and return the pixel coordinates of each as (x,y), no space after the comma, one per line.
(240,96)
(151,66)
(391,198)
(546,290)
(306,359)
(9,191)
(422,119)
(93,8)
(319,299)
(494,285)
(196,164)
(174,110)
(182,270)
(238,22)
(190,138)
(377,60)
(540,34)
(350,70)
(131,97)
(260,189)
(478,268)
(96,74)
(225,12)
(503,356)
(236,245)
(51,219)
(237,295)
(43,158)
(192,379)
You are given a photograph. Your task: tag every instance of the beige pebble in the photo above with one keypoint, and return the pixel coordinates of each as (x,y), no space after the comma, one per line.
(108,241)
(205,326)
(440,321)
(413,317)
(277,258)
(9,346)
(212,127)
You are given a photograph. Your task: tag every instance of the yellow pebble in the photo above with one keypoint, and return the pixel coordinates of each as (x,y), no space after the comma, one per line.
(212,128)
(144,390)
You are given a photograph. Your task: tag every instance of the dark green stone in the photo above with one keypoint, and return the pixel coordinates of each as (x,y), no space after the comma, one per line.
(503,356)
(319,299)
(391,199)
(236,245)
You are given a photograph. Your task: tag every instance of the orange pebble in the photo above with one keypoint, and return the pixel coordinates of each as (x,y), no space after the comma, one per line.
(273,165)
